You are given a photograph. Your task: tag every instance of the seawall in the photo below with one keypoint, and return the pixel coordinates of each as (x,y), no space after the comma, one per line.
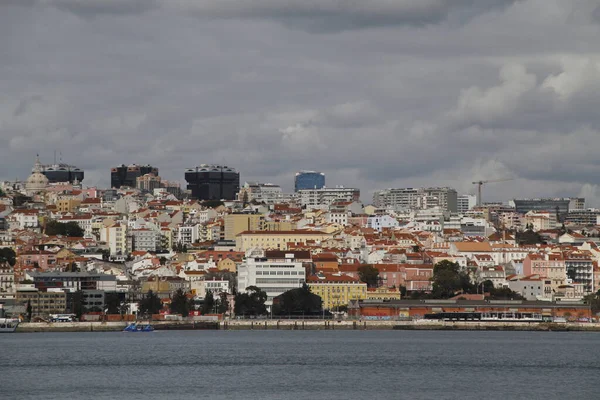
(274,324)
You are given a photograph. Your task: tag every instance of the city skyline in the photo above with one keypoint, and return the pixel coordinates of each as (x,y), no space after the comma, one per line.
(396,94)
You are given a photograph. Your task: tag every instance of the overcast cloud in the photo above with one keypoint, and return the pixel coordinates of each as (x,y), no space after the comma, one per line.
(375,93)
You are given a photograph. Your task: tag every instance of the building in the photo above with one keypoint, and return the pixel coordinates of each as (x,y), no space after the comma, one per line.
(123,175)
(42,302)
(580,270)
(277,240)
(417,198)
(146,240)
(240,222)
(309,180)
(274,274)
(213,182)
(532,287)
(267,193)
(549,266)
(116,238)
(587,217)
(336,290)
(7,277)
(324,197)
(36,183)
(557,206)
(465,202)
(58,173)
(147,183)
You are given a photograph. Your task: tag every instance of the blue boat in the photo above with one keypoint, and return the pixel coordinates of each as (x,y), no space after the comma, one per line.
(133,327)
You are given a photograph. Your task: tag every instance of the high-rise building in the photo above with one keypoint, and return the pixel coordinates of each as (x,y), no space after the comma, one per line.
(558,206)
(124,175)
(147,183)
(324,197)
(309,180)
(213,182)
(62,173)
(465,202)
(417,198)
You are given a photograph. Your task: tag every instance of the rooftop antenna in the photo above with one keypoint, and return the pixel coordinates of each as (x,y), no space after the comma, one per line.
(54,157)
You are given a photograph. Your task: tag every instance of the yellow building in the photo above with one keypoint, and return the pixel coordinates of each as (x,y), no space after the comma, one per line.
(383,293)
(277,240)
(67,204)
(237,223)
(42,303)
(279,225)
(336,290)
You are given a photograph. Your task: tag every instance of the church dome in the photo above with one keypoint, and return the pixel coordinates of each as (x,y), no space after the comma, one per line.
(36,181)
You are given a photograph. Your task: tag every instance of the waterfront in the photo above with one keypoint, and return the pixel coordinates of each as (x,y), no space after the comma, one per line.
(300,364)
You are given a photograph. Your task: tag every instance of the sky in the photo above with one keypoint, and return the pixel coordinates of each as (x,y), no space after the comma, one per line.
(374,93)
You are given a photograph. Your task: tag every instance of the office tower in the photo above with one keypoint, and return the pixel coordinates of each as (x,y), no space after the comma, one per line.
(309,180)
(127,175)
(213,182)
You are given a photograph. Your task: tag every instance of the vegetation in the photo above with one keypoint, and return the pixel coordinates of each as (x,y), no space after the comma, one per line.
(113,304)
(252,302)
(212,203)
(29,310)
(180,304)
(70,229)
(449,279)
(150,304)
(223,304)
(7,255)
(77,306)
(528,237)
(594,301)
(369,275)
(298,302)
(208,304)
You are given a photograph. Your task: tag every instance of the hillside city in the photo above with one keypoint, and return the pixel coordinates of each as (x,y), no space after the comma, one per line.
(220,249)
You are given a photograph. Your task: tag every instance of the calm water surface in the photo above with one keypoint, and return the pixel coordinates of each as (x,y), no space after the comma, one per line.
(300,365)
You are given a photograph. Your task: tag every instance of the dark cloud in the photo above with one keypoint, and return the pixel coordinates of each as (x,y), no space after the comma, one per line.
(449,92)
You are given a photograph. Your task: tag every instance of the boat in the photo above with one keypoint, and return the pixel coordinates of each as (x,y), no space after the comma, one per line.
(8,325)
(133,327)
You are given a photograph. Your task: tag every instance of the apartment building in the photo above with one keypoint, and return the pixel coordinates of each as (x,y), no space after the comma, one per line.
(336,289)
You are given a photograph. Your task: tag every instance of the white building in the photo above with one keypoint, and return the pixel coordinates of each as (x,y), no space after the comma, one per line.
(465,202)
(275,275)
(146,240)
(83,220)
(187,234)
(416,198)
(324,197)
(379,222)
(116,238)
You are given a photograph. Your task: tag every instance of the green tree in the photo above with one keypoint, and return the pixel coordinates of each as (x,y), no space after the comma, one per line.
(180,304)
(251,302)
(504,293)
(72,267)
(212,203)
(69,229)
(594,301)
(77,306)
(298,302)
(448,279)
(222,303)
(163,260)
(29,310)
(487,286)
(150,304)
(208,303)
(245,198)
(112,303)
(7,255)
(369,275)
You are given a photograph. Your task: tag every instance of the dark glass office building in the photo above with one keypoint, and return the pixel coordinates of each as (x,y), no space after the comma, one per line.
(213,182)
(558,206)
(62,173)
(309,180)
(125,175)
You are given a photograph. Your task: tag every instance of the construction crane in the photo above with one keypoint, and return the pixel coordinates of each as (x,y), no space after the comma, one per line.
(481,183)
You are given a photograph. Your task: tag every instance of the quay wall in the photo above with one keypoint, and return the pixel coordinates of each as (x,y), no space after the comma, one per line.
(273,324)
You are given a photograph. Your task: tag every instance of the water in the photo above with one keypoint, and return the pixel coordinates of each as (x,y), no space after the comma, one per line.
(300,365)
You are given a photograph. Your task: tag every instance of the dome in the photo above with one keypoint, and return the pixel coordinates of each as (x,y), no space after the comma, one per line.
(36,181)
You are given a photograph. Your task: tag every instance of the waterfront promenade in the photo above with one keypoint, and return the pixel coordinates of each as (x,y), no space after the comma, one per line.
(274,324)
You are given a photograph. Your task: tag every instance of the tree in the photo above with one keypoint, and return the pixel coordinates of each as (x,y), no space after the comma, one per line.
(251,302)
(77,306)
(488,286)
(298,302)
(594,301)
(8,255)
(448,279)
(29,310)
(245,198)
(222,303)
(212,203)
(150,304)
(72,267)
(163,260)
(504,293)
(112,303)
(369,275)
(209,303)
(69,229)
(571,274)
(180,304)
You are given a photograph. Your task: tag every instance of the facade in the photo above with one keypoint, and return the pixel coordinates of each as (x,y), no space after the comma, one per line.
(267,193)
(465,202)
(556,206)
(213,182)
(147,183)
(126,175)
(587,217)
(237,223)
(58,173)
(274,275)
(324,197)
(73,281)
(309,180)
(580,270)
(277,240)
(7,278)
(42,302)
(116,238)
(36,183)
(145,240)
(532,287)
(417,198)
(336,290)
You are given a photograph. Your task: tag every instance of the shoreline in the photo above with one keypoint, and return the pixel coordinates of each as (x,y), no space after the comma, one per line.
(273,324)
